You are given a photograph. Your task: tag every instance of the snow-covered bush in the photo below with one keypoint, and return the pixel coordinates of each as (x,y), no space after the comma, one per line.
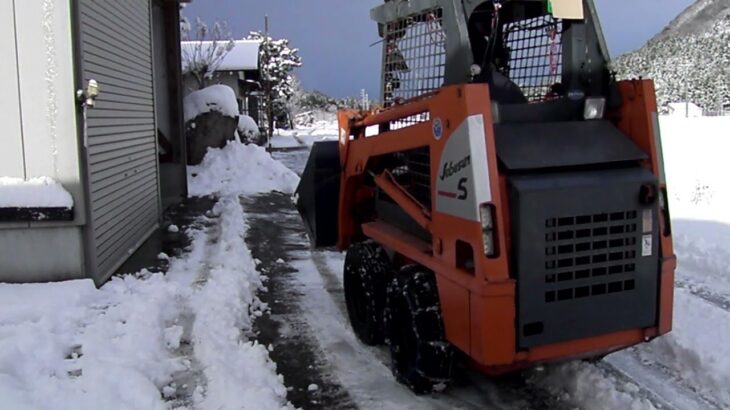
(248,130)
(205,49)
(220,98)
(211,120)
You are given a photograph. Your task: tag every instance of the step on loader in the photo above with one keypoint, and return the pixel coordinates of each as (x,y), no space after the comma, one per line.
(507,202)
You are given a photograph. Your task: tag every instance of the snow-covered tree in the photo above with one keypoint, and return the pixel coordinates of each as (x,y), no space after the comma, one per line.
(277,61)
(685,66)
(206,49)
(294,105)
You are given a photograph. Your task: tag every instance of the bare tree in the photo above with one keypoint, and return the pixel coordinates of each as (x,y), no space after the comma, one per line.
(204,49)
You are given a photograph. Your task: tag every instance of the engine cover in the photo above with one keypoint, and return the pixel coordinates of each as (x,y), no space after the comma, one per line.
(586,253)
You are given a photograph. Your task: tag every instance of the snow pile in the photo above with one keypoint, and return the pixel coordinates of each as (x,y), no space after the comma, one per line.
(697,167)
(220,98)
(238,372)
(40,192)
(239,169)
(248,130)
(586,386)
(69,343)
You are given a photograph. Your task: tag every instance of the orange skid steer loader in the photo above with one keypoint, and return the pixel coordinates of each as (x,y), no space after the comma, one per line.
(508,201)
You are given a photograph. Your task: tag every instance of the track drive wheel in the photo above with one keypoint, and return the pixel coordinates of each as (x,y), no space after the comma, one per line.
(366,275)
(421,356)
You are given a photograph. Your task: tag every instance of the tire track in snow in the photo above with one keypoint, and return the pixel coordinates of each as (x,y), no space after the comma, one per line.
(316,312)
(702,292)
(292,344)
(190,382)
(657,382)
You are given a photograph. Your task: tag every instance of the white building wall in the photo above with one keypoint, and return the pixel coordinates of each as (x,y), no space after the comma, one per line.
(38,113)
(11,139)
(47,94)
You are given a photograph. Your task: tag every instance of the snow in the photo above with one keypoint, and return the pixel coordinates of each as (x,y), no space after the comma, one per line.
(117,332)
(242,57)
(225,305)
(697,167)
(119,347)
(590,387)
(218,97)
(239,169)
(42,192)
(306,136)
(247,128)
(154,341)
(684,109)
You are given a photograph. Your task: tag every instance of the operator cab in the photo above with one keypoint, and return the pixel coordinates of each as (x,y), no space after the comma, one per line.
(524,50)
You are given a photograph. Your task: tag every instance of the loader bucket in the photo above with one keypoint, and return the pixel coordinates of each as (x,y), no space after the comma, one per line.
(319,193)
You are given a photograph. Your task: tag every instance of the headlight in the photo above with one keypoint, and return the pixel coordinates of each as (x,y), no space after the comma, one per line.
(486,216)
(595,108)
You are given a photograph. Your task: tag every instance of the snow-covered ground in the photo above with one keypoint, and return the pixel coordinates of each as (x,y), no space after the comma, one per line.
(154,341)
(184,339)
(305,136)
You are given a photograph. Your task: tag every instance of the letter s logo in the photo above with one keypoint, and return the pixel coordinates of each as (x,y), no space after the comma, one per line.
(464,193)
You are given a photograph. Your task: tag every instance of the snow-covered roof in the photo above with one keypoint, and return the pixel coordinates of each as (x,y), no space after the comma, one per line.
(243,56)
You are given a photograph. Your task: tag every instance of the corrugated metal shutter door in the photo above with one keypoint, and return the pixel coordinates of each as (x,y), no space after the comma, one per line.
(122,149)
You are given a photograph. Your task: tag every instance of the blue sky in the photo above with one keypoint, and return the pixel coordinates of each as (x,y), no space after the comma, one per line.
(334,36)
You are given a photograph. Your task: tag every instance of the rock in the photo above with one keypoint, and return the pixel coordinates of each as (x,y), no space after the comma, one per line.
(211,129)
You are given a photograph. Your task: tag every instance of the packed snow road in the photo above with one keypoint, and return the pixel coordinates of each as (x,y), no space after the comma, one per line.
(313,344)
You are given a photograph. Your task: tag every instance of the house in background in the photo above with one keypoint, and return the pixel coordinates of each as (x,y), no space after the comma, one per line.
(239,70)
(684,109)
(104,150)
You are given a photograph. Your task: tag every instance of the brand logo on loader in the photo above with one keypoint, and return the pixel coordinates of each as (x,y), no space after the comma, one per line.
(463,193)
(451,168)
(438,129)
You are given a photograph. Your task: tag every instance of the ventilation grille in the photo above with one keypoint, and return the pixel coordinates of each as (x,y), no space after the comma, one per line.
(535,56)
(590,256)
(414,58)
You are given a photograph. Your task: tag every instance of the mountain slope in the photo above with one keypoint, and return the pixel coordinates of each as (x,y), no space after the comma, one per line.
(689,60)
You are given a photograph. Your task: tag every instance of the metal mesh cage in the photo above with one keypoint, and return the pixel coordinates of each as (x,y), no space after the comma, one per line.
(414,57)
(535,61)
(415,173)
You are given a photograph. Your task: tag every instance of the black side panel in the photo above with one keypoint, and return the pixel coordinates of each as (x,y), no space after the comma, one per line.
(319,193)
(586,254)
(531,146)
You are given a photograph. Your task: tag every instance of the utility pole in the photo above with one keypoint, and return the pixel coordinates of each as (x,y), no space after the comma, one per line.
(268,85)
